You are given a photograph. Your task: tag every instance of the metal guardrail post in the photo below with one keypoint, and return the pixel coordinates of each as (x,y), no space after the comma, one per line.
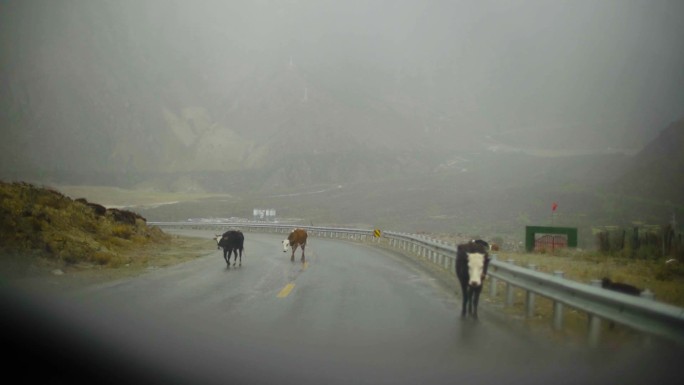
(509,289)
(594,330)
(441,254)
(558,308)
(493,281)
(594,322)
(647,340)
(529,298)
(647,294)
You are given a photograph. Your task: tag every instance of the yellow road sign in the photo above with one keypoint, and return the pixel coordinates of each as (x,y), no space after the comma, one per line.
(377,233)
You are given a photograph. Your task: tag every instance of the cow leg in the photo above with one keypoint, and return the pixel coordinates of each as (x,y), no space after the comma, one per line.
(226,256)
(294,247)
(464,294)
(476,300)
(240,257)
(303,258)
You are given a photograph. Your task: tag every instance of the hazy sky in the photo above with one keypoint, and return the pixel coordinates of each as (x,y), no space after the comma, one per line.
(500,67)
(504,64)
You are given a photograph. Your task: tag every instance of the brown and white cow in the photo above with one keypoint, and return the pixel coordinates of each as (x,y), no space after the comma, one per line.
(297,238)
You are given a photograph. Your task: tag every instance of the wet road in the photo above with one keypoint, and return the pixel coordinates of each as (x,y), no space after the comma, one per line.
(352,314)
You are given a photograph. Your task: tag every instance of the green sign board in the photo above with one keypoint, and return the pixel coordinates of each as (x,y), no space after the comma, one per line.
(533,232)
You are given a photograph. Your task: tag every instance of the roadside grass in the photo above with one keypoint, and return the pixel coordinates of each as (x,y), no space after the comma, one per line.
(43,230)
(665,281)
(39,272)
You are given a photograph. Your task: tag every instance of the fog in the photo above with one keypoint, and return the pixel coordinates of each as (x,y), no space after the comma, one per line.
(121,92)
(460,117)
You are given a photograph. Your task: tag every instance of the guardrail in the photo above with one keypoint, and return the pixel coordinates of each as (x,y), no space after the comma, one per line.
(643,313)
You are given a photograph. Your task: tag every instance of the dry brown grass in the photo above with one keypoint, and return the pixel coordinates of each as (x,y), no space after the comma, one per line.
(665,281)
(585,267)
(38,272)
(43,221)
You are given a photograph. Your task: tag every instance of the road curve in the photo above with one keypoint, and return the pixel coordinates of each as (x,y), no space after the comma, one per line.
(352,314)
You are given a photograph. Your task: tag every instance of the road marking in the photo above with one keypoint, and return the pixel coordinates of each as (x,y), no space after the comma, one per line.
(286,290)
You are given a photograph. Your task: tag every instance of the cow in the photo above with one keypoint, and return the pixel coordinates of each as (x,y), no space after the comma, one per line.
(625,288)
(297,238)
(472,261)
(606,283)
(232,241)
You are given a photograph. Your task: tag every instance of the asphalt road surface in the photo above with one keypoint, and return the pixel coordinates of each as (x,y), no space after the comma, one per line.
(353,314)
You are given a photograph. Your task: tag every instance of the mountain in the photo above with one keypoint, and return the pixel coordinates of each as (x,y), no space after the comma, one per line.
(656,171)
(95,83)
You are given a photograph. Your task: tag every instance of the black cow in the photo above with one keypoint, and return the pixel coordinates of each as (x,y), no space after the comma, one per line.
(620,287)
(606,283)
(232,241)
(472,261)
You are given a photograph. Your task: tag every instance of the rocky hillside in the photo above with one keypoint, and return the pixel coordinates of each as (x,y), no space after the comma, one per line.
(656,172)
(44,222)
(121,85)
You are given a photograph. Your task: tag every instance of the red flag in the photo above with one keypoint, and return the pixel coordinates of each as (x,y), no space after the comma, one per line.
(554,206)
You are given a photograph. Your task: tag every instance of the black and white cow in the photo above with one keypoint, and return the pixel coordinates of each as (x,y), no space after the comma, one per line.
(232,241)
(472,261)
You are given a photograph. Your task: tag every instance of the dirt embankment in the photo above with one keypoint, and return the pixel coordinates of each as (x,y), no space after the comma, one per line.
(42,273)
(52,241)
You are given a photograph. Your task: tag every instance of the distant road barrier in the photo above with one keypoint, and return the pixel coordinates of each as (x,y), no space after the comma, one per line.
(639,313)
